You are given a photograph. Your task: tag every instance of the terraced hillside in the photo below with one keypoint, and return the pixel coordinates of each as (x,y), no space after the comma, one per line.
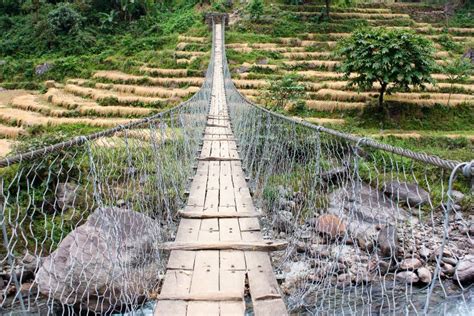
(259,57)
(289,39)
(108,98)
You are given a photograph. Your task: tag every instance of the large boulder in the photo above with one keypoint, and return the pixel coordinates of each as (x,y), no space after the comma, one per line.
(330,226)
(465,270)
(406,193)
(104,264)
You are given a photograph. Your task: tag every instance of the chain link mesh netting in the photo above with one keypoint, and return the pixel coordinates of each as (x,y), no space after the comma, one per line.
(372,229)
(369,226)
(117,191)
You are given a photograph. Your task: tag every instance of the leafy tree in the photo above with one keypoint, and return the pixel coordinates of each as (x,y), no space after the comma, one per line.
(255,8)
(395,59)
(64,19)
(328,5)
(286,92)
(458,71)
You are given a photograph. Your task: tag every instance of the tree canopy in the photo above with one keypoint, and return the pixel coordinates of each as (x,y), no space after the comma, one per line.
(395,59)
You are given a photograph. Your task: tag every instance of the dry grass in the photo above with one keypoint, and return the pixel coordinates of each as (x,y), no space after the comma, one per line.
(193,39)
(186,54)
(5,147)
(113,110)
(114,76)
(12,132)
(176,82)
(30,102)
(99,94)
(150,91)
(312,36)
(66,100)
(338,95)
(328,64)
(252,92)
(263,66)
(250,84)
(26,118)
(330,44)
(321,120)
(164,72)
(368,16)
(305,55)
(333,105)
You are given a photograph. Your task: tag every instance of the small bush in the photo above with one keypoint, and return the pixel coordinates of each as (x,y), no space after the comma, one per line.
(255,9)
(64,19)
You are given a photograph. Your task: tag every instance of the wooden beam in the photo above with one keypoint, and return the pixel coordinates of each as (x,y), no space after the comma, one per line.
(218,159)
(228,214)
(230,245)
(214,297)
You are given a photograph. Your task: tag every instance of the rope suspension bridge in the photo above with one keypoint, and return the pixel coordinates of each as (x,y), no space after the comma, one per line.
(221,207)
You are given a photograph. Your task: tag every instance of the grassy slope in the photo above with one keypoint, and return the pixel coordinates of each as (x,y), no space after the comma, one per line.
(447,132)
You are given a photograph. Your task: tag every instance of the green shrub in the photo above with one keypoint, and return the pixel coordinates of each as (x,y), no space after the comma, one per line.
(64,19)
(255,9)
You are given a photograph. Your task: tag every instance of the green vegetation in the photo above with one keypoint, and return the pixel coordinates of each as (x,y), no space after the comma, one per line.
(458,71)
(397,58)
(286,93)
(74,39)
(255,8)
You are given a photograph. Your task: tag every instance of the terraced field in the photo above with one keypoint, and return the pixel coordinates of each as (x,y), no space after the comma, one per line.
(105,100)
(114,97)
(311,56)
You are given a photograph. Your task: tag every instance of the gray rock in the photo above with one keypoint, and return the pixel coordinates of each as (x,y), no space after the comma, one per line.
(344,279)
(407,277)
(410,264)
(447,269)
(465,270)
(424,252)
(457,196)
(103,263)
(283,221)
(43,68)
(387,242)
(262,61)
(2,62)
(406,193)
(424,274)
(66,195)
(297,273)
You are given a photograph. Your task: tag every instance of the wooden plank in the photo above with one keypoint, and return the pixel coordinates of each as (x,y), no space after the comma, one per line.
(225,245)
(188,229)
(269,308)
(217,159)
(217,296)
(176,282)
(262,281)
(203,308)
(168,308)
(232,308)
(249,223)
(213,175)
(222,213)
(183,260)
(229,229)
(211,203)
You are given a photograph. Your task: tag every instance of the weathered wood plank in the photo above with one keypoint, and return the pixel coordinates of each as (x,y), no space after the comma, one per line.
(220,214)
(225,245)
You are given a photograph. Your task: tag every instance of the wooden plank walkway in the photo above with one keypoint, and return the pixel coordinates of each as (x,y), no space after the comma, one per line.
(212,282)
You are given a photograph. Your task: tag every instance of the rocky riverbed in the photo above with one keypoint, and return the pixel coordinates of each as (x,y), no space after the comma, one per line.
(371,247)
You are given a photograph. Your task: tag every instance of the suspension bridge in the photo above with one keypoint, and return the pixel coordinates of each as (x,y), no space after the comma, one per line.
(185,208)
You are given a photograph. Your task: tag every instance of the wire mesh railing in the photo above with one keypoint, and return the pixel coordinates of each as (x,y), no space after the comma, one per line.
(373,228)
(81,219)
